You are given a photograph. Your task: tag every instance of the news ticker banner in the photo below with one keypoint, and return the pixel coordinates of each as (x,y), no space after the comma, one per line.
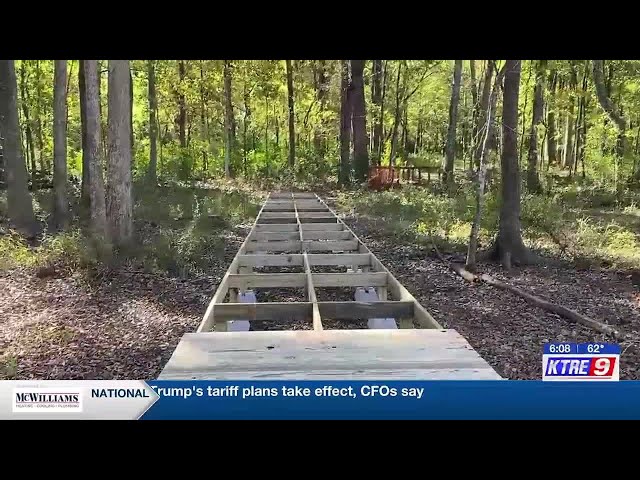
(273,400)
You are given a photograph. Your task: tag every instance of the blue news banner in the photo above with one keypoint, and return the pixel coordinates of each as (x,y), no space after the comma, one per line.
(480,399)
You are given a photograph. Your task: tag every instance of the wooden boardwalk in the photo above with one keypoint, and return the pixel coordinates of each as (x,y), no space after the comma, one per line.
(403,341)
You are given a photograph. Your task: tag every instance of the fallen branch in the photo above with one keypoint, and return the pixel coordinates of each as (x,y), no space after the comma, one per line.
(532,299)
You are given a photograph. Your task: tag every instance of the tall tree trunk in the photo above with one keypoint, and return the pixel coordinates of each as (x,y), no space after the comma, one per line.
(28,123)
(482,170)
(133,144)
(359,121)
(292,117)
(152,172)
(182,105)
(376,99)
(19,203)
(39,115)
(204,131)
(119,198)
(568,156)
(228,119)
(533,182)
(84,189)
(481,118)
(245,125)
(60,210)
(319,142)
(94,151)
(450,148)
(344,175)
(509,246)
(398,114)
(552,146)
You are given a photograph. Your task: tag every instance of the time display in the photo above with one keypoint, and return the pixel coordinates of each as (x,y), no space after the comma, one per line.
(560,348)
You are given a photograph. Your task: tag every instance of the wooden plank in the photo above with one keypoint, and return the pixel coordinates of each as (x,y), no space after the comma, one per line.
(277,220)
(276,227)
(286,246)
(329,235)
(281,260)
(331,354)
(331,246)
(271,236)
(365,310)
(339,259)
(311,292)
(262,311)
(314,226)
(278,215)
(350,279)
(267,280)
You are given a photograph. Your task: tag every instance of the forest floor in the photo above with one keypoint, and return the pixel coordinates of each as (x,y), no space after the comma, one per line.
(124,321)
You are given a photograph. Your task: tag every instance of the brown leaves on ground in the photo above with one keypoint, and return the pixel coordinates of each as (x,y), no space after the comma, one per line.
(507,331)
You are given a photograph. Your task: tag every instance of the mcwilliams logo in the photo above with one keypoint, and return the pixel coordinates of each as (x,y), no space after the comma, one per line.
(47,400)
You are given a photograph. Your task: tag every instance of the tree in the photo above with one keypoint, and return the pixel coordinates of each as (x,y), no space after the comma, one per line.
(119,197)
(533,182)
(292,117)
(229,130)
(509,247)
(19,203)
(94,151)
(359,122)
(60,210)
(450,148)
(152,174)
(344,174)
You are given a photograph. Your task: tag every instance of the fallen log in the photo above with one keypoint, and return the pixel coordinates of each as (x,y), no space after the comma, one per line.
(532,299)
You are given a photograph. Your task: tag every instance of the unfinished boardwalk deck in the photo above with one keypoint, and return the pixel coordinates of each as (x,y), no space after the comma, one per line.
(403,341)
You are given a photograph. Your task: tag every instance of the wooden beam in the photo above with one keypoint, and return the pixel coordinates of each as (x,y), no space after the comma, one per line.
(267,280)
(262,311)
(287,246)
(271,236)
(366,310)
(252,260)
(328,235)
(374,279)
(331,246)
(339,259)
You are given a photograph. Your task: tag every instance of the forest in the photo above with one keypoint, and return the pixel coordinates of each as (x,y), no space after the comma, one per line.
(127,186)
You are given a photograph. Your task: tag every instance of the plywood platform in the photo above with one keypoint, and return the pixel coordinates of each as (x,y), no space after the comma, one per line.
(299,230)
(415,354)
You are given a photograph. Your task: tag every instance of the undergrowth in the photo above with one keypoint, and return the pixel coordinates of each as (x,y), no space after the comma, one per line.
(579,222)
(179,229)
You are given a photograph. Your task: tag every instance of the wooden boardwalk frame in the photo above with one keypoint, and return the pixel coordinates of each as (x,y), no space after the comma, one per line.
(301,230)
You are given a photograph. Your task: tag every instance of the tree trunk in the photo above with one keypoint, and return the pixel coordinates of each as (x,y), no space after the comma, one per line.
(84,189)
(344,175)
(359,120)
(292,117)
(119,198)
(182,106)
(19,203)
(397,116)
(482,171)
(39,115)
(481,120)
(509,246)
(552,146)
(94,151)
(27,120)
(60,210)
(450,148)
(319,142)
(376,99)
(533,182)
(152,172)
(228,119)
